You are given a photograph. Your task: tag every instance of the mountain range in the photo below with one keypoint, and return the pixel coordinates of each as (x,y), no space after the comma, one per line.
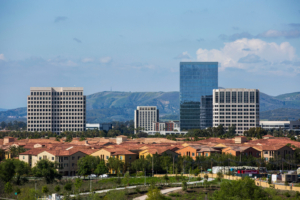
(110,106)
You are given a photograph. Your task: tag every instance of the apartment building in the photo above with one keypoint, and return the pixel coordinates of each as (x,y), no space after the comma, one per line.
(236,107)
(56,109)
(67,159)
(144,116)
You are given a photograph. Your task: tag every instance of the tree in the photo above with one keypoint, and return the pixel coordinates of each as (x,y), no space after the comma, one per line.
(68,186)
(7,170)
(46,169)
(165,161)
(141,135)
(115,164)
(101,168)
(8,188)
(57,188)
(87,165)
(241,189)
(20,169)
(78,184)
(45,189)
(155,194)
(28,194)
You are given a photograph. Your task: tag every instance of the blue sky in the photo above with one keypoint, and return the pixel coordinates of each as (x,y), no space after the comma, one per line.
(137,45)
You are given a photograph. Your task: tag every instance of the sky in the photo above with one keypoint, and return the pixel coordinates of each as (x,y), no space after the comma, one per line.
(137,45)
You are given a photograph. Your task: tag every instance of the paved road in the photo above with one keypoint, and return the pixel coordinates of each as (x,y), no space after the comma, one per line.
(165,191)
(130,187)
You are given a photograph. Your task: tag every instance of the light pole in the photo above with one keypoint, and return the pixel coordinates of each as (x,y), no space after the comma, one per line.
(145,178)
(152,166)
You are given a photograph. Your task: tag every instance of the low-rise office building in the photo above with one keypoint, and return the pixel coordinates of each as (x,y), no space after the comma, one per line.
(283,125)
(236,107)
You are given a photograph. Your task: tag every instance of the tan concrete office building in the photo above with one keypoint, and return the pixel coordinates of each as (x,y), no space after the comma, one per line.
(239,107)
(56,109)
(144,116)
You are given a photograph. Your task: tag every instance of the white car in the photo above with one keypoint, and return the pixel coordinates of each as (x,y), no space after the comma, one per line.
(92,176)
(103,176)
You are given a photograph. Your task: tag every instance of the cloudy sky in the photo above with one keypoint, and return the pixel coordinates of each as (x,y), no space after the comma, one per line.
(137,45)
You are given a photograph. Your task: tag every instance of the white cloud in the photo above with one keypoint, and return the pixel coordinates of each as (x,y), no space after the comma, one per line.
(275,34)
(183,55)
(105,60)
(62,62)
(2,57)
(252,55)
(87,60)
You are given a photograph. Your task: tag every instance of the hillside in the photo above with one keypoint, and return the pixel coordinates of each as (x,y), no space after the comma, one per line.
(110,106)
(281,114)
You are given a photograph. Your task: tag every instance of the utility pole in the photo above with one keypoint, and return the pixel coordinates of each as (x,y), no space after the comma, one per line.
(173,164)
(152,166)
(145,177)
(90,185)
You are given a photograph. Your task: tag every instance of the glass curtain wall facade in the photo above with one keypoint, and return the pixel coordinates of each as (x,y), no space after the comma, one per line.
(197,81)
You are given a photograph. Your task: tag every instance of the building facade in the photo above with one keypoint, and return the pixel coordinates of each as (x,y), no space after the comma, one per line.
(94,126)
(236,107)
(144,116)
(197,80)
(283,125)
(56,109)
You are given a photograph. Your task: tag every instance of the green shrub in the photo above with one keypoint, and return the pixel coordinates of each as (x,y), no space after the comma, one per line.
(176,194)
(184,186)
(297,195)
(287,194)
(118,180)
(115,194)
(270,180)
(199,178)
(206,176)
(138,190)
(286,183)
(196,172)
(57,188)
(166,178)
(140,174)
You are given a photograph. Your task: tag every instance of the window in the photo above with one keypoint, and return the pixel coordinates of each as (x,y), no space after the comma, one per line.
(206,154)
(23,157)
(193,154)
(40,158)
(52,158)
(106,157)
(245,97)
(227,97)
(240,97)
(216,97)
(221,97)
(233,97)
(121,157)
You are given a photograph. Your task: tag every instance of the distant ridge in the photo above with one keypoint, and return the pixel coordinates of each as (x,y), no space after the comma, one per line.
(110,106)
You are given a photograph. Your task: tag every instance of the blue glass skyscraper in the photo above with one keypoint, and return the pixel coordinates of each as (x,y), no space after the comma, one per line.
(197,81)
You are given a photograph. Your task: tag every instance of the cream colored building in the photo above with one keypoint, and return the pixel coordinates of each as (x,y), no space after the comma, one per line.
(56,109)
(67,159)
(236,107)
(144,116)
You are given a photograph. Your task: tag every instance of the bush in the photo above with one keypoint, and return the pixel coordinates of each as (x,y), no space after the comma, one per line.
(270,180)
(114,194)
(286,183)
(206,176)
(199,178)
(138,190)
(196,172)
(118,180)
(68,186)
(57,188)
(45,190)
(287,194)
(140,174)
(184,186)
(166,178)
(155,194)
(176,194)
(297,195)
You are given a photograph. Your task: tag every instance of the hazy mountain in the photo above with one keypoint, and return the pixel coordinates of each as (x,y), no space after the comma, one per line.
(3,109)
(119,106)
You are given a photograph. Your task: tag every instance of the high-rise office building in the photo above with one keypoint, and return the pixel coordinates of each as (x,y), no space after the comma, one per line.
(197,80)
(236,107)
(144,116)
(56,109)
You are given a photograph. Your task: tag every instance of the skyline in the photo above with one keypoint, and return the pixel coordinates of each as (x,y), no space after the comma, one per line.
(137,46)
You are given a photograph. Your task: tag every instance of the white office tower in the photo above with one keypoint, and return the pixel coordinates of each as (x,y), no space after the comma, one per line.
(144,116)
(236,107)
(56,109)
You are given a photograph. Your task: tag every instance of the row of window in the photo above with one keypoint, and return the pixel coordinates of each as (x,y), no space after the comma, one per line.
(56,93)
(54,98)
(55,129)
(55,106)
(234,120)
(55,110)
(236,97)
(234,113)
(236,109)
(55,118)
(239,106)
(61,125)
(53,122)
(56,102)
(234,117)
